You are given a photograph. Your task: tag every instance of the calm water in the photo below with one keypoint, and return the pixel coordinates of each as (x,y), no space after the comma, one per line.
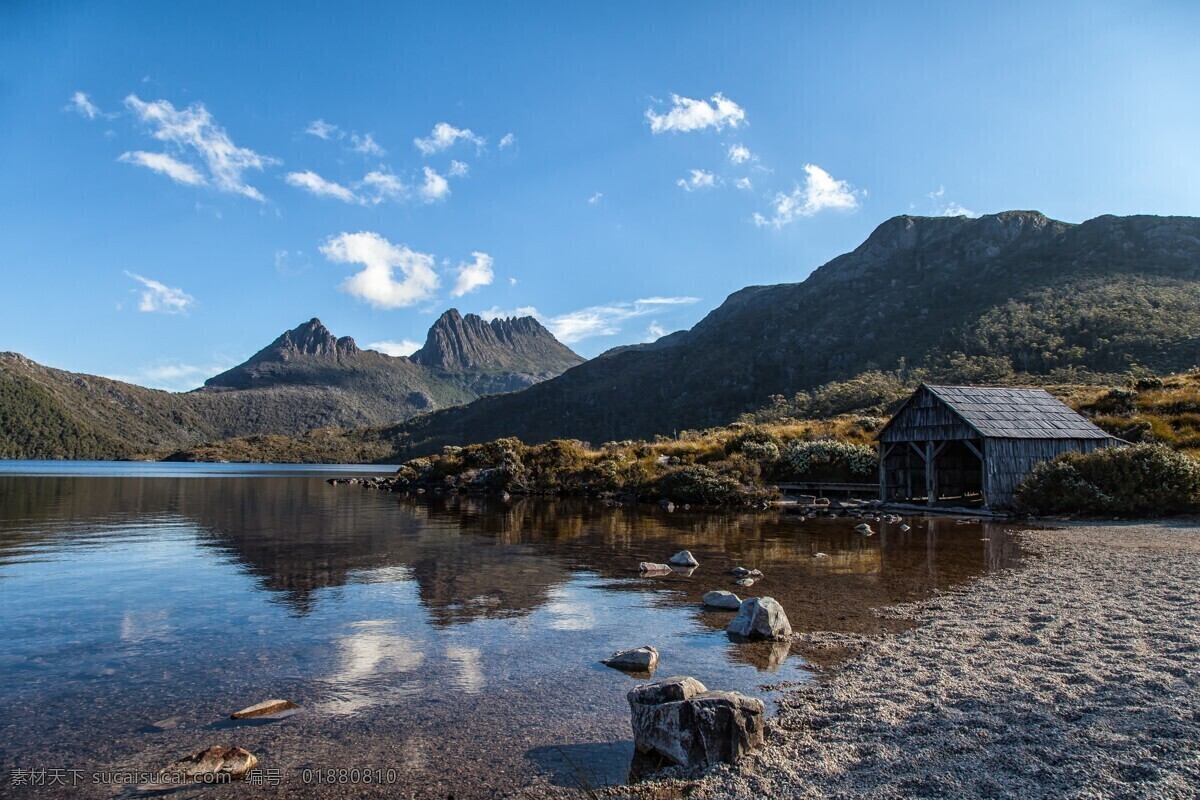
(453,640)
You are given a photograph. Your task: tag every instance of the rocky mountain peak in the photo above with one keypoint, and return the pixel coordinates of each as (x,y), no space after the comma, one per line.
(458,342)
(314,339)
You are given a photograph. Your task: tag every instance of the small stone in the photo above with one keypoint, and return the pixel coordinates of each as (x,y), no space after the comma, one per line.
(650,568)
(740,572)
(266,708)
(864,529)
(905,527)
(760,618)
(641,659)
(684,558)
(722,599)
(820,555)
(216,761)
(667,505)
(745,581)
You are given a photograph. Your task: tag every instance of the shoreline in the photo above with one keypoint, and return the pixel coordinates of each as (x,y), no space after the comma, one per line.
(1075,674)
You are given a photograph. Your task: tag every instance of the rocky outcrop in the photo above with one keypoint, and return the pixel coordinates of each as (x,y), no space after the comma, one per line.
(680,720)
(760,618)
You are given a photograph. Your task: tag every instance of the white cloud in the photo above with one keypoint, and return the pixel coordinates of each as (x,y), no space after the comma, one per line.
(161,162)
(738,154)
(655,331)
(743,183)
(173,377)
(687,114)
(459,169)
(699,179)
(951,208)
(435,187)
(366,145)
(376,282)
(375,187)
(83,105)
(194,128)
(313,183)
(473,275)
(404,347)
(602,320)
(594,199)
(495,312)
(820,191)
(957,210)
(443,136)
(160,298)
(291,263)
(382,185)
(512,281)
(507,141)
(324,130)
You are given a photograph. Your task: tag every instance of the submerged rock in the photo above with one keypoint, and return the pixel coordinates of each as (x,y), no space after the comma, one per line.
(722,599)
(680,720)
(641,659)
(760,618)
(740,572)
(684,558)
(266,708)
(214,764)
(864,529)
(745,581)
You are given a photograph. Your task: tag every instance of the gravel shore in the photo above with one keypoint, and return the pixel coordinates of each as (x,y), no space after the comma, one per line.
(1073,676)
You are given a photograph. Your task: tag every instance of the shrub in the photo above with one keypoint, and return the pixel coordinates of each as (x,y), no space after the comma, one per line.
(1140,479)
(698,484)
(828,460)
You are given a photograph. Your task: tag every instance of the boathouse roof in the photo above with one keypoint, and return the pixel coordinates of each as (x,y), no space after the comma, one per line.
(1004,413)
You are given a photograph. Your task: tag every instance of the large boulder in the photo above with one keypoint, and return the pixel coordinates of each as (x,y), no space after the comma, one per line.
(680,720)
(642,659)
(760,618)
(722,599)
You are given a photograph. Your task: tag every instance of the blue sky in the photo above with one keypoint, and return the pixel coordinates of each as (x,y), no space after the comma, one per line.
(184,181)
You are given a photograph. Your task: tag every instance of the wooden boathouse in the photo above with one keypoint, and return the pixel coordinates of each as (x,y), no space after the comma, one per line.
(974,444)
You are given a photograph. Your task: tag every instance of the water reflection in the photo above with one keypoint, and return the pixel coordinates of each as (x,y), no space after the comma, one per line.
(417,633)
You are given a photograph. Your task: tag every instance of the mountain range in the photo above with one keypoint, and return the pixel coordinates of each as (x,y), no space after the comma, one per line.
(975,300)
(306,379)
(997,299)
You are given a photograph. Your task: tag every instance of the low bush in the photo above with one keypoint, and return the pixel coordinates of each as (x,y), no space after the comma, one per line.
(1137,480)
(828,460)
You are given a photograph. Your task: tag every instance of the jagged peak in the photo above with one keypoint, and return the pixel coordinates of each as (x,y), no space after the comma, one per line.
(455,341)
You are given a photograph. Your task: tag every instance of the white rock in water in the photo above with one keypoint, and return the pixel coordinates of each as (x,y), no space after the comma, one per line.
(740,572)
(684,558)
(820,555)
(760,618)
(745,581)
(722,599)
(641,659)
(266,708)
(864,529)
(904,528)
(652,568)
(680,720)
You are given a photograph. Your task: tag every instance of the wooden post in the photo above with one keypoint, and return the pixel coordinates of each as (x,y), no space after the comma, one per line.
(930,476)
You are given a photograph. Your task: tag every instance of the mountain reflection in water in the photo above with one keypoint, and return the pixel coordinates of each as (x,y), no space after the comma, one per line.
(452,639)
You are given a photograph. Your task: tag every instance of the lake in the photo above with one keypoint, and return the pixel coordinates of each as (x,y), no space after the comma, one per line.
(450,643)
